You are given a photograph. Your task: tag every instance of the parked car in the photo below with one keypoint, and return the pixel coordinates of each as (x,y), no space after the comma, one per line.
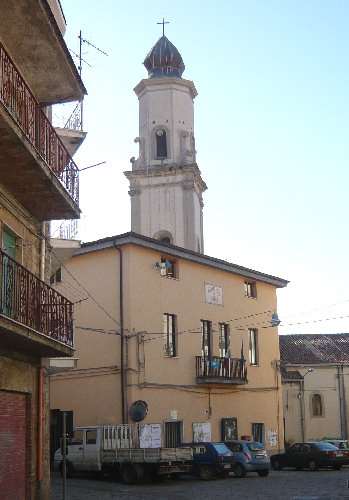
(342,444)
(312,455)
(211,459)
(250,456)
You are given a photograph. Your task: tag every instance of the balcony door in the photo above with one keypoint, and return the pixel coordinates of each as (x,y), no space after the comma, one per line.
(8,274)
(205,338)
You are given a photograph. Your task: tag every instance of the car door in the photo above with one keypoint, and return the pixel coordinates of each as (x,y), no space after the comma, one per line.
(292,457)
(91,449)
(76,449)
(305,455)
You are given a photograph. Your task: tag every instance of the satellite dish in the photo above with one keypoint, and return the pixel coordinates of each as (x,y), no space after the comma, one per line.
(138,410)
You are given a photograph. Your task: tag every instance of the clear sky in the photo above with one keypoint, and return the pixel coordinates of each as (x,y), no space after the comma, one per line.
(271,127)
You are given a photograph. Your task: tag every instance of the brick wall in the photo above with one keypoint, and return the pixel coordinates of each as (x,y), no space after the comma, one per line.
(13,437)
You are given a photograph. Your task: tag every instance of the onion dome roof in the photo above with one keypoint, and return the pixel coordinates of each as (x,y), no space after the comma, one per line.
(164,60)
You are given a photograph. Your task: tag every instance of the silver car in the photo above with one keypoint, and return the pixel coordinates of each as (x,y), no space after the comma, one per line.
(250,456)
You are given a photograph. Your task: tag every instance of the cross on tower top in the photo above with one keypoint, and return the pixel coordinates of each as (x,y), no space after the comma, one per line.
(163,22)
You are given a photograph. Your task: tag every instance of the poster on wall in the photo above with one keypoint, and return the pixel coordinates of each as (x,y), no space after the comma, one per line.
(272,437)
(150,435)
(229,429)
(201,432)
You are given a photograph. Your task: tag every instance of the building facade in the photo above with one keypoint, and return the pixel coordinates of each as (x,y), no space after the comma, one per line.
(314,386)
(38,183)
(188,334)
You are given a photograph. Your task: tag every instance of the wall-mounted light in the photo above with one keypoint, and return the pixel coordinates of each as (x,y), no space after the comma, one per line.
(275,321)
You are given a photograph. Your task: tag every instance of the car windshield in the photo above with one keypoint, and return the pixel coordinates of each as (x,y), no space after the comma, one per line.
(221,448)
(325,446)
(255,446)
(343,444)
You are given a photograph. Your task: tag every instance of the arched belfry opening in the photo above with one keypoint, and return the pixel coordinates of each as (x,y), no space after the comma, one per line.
(161,143)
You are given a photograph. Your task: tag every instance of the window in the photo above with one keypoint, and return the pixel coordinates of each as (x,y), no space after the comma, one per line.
(78,437)
(168,267)
(206,338)
(316,405)
(56,277)
(173,434)
(250,289)
(252,346)
(258,432)
(170,338)
(223,339)
(161,144)
(91,436)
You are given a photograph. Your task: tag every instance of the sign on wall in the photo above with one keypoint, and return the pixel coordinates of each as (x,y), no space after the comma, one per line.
(149,435)
(213,294)
(272,437)
(201,432)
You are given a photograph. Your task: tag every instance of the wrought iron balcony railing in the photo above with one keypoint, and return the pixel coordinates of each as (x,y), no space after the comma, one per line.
(28,300)
(19,101)
(215,367)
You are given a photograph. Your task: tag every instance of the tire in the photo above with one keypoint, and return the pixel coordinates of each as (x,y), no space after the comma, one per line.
(262,473)
(175,475)
(128,474)
(313,465)
(299,468)
(337,467)
(276,465)
(240,471)
(206,472)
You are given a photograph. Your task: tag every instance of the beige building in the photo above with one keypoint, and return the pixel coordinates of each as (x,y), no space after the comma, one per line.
(159,322)
(314,386)
(156,323)
(38,183)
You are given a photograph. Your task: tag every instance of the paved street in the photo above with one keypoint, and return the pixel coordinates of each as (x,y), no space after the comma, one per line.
(288,485)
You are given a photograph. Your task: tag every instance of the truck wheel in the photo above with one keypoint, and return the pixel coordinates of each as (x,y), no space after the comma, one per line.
(128,474)
(206,472)
(175,475)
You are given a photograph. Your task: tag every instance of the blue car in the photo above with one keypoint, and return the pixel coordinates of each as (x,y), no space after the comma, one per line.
(250,456)
(211,459)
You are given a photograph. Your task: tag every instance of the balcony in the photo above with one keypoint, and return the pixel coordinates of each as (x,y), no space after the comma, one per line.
(216,370)
(33,316)
(34,164)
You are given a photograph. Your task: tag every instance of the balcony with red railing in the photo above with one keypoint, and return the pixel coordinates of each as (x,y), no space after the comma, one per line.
(218,370)
(33,316)
(35,166)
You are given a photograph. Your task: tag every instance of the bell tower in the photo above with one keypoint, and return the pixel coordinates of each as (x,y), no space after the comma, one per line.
(165,182)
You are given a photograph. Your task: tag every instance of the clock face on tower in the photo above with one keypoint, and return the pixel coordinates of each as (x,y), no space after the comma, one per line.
(213,294)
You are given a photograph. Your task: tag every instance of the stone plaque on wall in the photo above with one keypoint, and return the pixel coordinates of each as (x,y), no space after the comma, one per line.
(213,294)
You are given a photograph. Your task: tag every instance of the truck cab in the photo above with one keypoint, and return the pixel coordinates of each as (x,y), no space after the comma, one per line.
(83,451)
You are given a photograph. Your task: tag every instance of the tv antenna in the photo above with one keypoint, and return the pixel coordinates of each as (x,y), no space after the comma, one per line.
(75,120)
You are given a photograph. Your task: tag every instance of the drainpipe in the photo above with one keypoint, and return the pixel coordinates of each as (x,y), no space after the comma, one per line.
(42,251)
(342,409)
(301,401)
(40,423)
(122,338)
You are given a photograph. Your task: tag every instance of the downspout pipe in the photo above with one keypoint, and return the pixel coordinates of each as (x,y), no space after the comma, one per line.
(40,422)
(122,338)
(342,408)
(301,400)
